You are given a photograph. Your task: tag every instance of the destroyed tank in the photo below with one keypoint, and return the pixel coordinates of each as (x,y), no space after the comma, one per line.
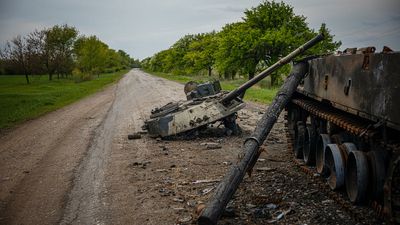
(344,119)
(203,106)
(207,104)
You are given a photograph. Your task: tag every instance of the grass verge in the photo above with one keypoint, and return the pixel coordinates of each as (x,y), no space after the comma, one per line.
(20,101)
(254,94)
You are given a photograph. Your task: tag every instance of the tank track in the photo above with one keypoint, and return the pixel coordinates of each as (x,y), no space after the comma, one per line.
(391,211)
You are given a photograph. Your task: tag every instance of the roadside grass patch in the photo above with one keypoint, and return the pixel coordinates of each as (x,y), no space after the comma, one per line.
(258,93)
(20,101)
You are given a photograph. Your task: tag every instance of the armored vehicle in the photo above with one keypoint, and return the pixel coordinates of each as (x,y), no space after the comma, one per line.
(200,110)
(344,119)
(207,104)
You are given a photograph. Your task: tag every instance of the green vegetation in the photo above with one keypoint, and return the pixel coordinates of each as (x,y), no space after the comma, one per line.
(60,51)
(254,94)
(81,64)
(242,49)
(258,93)
(20,102)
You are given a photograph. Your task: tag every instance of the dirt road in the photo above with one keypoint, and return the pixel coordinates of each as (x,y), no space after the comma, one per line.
(76,166)
(53,169)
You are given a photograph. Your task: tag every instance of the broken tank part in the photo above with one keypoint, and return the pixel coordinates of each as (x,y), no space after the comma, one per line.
(194,90)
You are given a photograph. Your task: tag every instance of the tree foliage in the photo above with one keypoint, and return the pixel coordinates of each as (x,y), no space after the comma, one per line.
(59,42)
(267,32)
(91,54)
(58,51)
(200,53)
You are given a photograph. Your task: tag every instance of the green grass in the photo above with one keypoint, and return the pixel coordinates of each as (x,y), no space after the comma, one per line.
(20,101)
(255,94)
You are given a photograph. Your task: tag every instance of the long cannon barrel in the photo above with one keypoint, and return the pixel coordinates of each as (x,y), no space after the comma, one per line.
(238,91)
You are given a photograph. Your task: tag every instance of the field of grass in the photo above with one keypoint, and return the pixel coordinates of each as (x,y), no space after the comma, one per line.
(20,101)
(255,94)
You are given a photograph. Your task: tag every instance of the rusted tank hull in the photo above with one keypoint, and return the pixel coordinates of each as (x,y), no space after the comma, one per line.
(366,85)
(345,120)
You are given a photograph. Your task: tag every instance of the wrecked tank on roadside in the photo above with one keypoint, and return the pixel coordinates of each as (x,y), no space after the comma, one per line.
(204,105)
(207,104)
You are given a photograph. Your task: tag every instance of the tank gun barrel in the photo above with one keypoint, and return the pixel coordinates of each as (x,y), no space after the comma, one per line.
(238,91)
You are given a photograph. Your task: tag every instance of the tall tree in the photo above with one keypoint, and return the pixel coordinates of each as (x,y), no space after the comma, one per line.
(327,45)
(282,31)
(91,54)
(241,48)
(267,32)
(15,52)
(201,52)
(59,48)
(36,51)
(125,59)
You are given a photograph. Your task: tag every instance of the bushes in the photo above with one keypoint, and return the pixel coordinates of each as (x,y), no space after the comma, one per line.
(78,76)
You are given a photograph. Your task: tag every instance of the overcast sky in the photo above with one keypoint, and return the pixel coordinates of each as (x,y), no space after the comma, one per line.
(145,27)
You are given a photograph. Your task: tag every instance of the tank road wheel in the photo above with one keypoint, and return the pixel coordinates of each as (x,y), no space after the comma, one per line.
(356,177)
(377,165)
(348,147)
(294,115)
(334,161)
(323,141)
(310,142)
(392,192)
(299,139)
(396,192)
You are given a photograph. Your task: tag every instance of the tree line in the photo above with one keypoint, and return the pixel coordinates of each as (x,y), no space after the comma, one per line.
(266,33)
(60,51)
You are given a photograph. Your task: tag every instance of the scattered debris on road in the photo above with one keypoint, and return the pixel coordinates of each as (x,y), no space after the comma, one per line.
(134,136)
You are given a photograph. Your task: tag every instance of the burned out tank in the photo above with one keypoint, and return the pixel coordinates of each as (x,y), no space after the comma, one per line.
(344,119)
(204,106)
(207,104)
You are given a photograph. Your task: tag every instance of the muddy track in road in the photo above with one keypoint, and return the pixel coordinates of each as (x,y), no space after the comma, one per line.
(76,166)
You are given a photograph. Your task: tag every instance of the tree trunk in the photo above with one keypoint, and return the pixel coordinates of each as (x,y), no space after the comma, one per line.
(50,76)
(249,154)
(209,71)
(227,75)
(27,78)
